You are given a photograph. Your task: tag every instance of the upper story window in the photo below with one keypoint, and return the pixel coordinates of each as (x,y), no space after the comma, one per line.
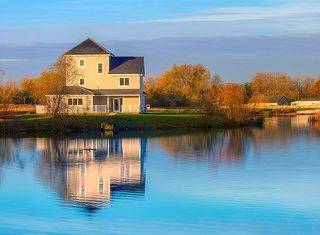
(124,82)
(82,63)
(81,82)
(100,68)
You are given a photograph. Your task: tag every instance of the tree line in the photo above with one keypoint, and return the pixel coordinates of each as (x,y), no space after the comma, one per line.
(193,86)
(181,86)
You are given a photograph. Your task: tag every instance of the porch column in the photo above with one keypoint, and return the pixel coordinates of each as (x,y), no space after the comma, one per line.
(92,104)
(108,106)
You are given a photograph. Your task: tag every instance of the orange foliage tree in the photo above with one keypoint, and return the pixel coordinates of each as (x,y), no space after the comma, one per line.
(182,86)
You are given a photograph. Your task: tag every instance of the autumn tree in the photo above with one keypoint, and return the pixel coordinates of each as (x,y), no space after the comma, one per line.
(212,99)
(8,90)
(26,93)
(232,98)
(50,88)
(155,97)
(183,85)
(273,84)
(314,88)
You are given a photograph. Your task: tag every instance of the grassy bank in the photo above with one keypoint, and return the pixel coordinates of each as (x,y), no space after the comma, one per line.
(121,122)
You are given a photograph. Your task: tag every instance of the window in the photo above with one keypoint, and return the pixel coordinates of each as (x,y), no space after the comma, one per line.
(100,68)
(124,82)
(75,102)
(81,81)
(81,63)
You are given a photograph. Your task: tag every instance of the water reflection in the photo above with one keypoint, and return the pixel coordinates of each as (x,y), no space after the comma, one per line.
(88,172)
(231,146)
(91,171)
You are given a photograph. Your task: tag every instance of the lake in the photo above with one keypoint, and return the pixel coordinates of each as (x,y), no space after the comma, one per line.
(236,181)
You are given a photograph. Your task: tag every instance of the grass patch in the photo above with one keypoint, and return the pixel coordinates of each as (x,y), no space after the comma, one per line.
(32,123)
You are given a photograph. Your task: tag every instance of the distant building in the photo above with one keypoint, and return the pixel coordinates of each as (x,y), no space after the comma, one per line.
(307,102)
(273,101)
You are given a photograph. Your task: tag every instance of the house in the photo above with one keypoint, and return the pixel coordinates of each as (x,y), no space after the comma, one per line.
(106,83)
(307,102)
(273,101)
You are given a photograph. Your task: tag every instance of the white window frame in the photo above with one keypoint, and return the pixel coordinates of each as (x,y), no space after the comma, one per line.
(98,67)
(84,63)
(124,85)
(74,98)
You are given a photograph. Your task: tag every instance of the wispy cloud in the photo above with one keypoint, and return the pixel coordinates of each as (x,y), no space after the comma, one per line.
(291,11)
(10,60)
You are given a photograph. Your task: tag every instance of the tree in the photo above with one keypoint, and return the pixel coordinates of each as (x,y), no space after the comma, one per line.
(314,89)
(50,88)
(212,98)
(8,90)
(183,85)
(233,101)
(273,84)
(26,93)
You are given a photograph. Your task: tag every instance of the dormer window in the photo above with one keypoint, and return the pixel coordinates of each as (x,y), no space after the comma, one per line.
(81,63)
(100,68)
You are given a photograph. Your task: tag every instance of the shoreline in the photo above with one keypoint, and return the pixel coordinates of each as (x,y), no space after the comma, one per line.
(24,125)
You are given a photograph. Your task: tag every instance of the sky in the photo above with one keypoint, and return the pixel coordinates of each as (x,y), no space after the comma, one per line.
(233,38)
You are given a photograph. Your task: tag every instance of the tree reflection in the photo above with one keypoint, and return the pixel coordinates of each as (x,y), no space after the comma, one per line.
(217,146)
(88,172)
(232,145)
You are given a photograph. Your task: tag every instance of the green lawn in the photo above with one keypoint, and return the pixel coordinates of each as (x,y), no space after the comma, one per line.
(92,122)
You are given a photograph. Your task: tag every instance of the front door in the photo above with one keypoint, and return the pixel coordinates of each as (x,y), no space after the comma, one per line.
(116,105)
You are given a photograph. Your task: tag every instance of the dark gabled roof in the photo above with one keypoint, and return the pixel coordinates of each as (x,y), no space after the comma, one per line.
(76,90)
(116,91)
(88,46)
(126,65)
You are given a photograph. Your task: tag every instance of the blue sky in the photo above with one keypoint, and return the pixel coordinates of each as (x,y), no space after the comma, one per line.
(36,27)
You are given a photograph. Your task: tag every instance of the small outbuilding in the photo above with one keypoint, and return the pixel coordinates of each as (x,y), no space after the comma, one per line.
(272,101)
(307,102)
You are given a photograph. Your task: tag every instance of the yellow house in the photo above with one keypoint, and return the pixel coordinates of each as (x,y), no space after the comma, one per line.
(107,83)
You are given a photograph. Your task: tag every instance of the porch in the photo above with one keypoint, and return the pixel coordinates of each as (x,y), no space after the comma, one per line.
(104,104)
(104,109)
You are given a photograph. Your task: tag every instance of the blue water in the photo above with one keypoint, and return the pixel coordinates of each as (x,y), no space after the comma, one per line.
(238,181)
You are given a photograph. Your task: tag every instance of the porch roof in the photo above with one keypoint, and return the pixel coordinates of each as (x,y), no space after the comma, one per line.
(77,90)
(108,92)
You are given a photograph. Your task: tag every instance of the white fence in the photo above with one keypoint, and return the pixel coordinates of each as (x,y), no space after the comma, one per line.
(42,109)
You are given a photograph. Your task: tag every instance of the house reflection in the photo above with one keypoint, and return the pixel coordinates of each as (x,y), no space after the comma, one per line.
(88,172)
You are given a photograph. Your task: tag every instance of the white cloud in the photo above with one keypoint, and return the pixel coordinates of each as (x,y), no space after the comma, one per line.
(309,11)
(10,60)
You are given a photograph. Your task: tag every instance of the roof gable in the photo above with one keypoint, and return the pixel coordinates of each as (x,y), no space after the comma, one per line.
(87,47)
(126,65)
(275,99)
